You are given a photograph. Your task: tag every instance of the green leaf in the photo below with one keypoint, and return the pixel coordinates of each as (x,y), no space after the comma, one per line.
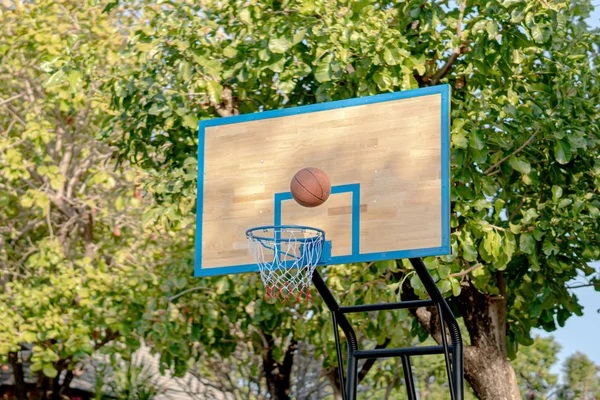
(549,248)
(537,34)
(517,56)
(298,36)
(562,151)
(508,3)
(596,168)
(517,15)
(230,52)
(190,121)
(443,271)
(564,203)
(56,79)
(49,371)
(28,337)
(475,141)
(185,70)
(302,70)
(419,63)
(245,16)
(509,245)
(157,109)
(26,201)
(460,140)
(383,80)
(520,165)
(514,228)
(456,288)
(529,215)
(214,91)
(277,63)
(492,243)
(557,192)
(279,45)
(415,282)
(468,247)
(383,266)
(492,29)
(393,55)
(75,79)
(324,72)
(499,206)
(527,243)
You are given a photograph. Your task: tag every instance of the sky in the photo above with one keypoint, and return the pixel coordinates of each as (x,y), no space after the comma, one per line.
(581,333)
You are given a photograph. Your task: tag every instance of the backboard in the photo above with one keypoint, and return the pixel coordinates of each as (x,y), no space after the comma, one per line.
(387,157)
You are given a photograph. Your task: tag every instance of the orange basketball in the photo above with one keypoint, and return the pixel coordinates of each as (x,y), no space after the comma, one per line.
(310,187)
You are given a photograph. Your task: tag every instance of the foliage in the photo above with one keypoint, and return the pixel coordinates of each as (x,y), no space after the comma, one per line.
(525,141)
(78,270)
(76,267)
(532,367)
(128,378)
(582,378)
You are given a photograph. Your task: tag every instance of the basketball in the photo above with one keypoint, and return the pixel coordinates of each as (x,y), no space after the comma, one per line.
(310,187)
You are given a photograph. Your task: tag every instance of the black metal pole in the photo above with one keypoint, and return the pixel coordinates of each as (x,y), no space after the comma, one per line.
(446,352)
(349,385)
(342,321)
(338,350)
(455,336)
(408,378)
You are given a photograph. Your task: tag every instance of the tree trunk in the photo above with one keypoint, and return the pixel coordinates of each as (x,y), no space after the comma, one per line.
(278,375)
(486,361)
(487,367)
(334,378)
(490,376)
(19,377)
(56,389)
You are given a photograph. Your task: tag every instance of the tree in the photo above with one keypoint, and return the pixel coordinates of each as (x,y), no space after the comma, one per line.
(76,268)
(582,378)
(532,366)
(525,137)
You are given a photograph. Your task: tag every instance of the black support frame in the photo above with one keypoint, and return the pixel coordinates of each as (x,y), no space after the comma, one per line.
(453,352)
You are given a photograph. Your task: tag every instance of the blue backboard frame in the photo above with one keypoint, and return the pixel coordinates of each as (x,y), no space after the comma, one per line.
(356,256)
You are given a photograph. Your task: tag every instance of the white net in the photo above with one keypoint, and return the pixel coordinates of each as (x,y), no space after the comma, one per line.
(287,257)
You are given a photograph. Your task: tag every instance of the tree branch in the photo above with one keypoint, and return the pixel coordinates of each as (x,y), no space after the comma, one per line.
(170,299)
(110,336)
(460,19)
(582,285)
(527,142)
(466,271)
(461,49)
(3,102)
(18,375)
(514,213)
(442,72)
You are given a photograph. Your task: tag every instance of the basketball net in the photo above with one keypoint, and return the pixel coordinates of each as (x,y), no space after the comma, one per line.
(287,257)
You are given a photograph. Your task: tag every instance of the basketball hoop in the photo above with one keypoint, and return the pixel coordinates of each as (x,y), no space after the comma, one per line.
(287,256)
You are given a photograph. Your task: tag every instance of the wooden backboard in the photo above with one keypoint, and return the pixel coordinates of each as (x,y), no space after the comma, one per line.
(387,157)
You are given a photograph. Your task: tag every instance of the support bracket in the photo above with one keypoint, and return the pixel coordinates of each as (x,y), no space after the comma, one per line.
(453,351)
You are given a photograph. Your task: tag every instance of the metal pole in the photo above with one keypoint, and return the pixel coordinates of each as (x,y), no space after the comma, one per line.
(352,382)
(446,352)
(342,321)
(455,336)
(349,385)
(408,378)
(338,351)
